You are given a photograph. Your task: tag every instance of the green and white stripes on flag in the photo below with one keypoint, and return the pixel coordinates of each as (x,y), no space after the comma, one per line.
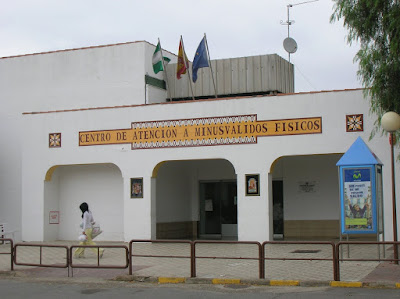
(157,63)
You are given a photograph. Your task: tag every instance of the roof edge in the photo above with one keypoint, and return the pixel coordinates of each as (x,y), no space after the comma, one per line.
(81,48)
(185,102)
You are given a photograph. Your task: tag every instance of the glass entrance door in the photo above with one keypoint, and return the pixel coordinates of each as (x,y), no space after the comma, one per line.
(218,210)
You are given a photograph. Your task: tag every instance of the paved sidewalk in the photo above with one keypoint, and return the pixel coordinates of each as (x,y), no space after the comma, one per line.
(241,264)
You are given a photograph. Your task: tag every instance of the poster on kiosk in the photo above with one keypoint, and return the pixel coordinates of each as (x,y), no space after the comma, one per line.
(361,204)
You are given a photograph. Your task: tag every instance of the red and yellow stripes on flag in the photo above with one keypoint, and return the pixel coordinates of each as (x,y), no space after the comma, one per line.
(182,65)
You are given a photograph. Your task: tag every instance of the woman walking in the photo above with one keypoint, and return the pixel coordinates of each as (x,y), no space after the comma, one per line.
(87,227)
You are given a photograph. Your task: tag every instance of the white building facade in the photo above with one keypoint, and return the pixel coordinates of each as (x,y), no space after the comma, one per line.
(246,168)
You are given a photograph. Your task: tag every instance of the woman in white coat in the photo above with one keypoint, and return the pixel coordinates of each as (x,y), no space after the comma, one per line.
(87,227)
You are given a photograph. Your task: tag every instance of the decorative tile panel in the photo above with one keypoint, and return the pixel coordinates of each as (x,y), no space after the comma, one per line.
(54,140)
(355,123)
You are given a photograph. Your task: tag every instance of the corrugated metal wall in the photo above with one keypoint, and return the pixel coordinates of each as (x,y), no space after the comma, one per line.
(246,75)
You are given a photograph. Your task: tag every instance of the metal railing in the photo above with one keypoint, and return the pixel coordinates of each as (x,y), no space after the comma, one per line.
(190,256)
(40,262)
(225,257)
(11,253)
(98,265)
(262,254)
(331,244)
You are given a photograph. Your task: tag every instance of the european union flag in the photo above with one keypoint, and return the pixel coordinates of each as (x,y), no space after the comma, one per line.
(200,59)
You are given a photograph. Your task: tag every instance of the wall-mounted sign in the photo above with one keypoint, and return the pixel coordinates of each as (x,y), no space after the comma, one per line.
(209,207)
(307,186)
(54,217)
(243,129)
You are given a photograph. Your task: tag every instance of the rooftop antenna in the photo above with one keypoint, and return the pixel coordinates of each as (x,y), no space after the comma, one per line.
(289,44)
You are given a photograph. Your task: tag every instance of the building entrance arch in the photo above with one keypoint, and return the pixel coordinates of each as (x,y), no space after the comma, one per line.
(67,186)
(306,197)
(196,199)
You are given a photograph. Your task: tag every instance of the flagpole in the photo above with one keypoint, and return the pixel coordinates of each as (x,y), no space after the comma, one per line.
(209,62)
(145,93)
(187,68)
(165,70)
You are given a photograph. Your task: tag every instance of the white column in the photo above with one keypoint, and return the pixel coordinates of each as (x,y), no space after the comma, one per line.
(153,208)
(137,212)
(254,223)
(32,224)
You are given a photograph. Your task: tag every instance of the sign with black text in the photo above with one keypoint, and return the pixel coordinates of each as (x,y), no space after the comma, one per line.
(226,130)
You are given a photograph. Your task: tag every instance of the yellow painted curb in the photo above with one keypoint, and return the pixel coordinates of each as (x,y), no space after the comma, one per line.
(398,285)
(225,281)
(346,284)
(284,282)
(171,279)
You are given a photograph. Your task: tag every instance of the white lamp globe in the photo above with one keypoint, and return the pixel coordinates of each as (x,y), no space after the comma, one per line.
(390,121)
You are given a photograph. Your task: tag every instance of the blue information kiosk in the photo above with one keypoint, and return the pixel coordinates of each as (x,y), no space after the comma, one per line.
(361,198)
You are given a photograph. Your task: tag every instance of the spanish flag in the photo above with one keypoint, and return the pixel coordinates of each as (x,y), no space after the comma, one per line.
(182,65)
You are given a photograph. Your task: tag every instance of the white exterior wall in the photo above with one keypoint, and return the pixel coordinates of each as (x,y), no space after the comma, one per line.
(253,220)
(322,203)
(72,79)
(81,78)
(174,191)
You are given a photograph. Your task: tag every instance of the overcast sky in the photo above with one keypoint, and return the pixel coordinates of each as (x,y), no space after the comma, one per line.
(323,61)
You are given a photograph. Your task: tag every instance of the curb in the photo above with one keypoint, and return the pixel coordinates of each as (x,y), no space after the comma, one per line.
(8,273)
(171,280)
(259,282)
(346,284)
(284,282)
(225,281)
(314,283)
(233,281)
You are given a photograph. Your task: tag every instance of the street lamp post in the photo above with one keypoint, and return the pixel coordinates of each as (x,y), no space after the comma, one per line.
(391,123)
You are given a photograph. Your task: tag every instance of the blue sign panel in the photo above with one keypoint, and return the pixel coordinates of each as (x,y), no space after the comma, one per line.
(357,199)
(357,175)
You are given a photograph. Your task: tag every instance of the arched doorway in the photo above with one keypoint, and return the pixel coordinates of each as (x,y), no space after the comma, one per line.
(306,197)
(67,186)
(196,199)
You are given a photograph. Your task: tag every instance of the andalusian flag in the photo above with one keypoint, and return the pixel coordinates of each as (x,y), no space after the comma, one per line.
(157,62)
(182,65)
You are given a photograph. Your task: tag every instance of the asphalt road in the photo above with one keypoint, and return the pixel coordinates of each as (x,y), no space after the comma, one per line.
(22,288)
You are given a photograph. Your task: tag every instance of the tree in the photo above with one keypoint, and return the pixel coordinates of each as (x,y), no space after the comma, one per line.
(375,24)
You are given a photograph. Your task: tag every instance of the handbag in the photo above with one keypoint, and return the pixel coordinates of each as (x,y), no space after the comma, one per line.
(82,238)
(96,231)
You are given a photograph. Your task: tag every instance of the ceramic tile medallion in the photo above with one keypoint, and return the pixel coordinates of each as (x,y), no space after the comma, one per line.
(355,123)
(54,140)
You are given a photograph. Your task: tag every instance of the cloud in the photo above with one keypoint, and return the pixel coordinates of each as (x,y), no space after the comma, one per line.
(234,29)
